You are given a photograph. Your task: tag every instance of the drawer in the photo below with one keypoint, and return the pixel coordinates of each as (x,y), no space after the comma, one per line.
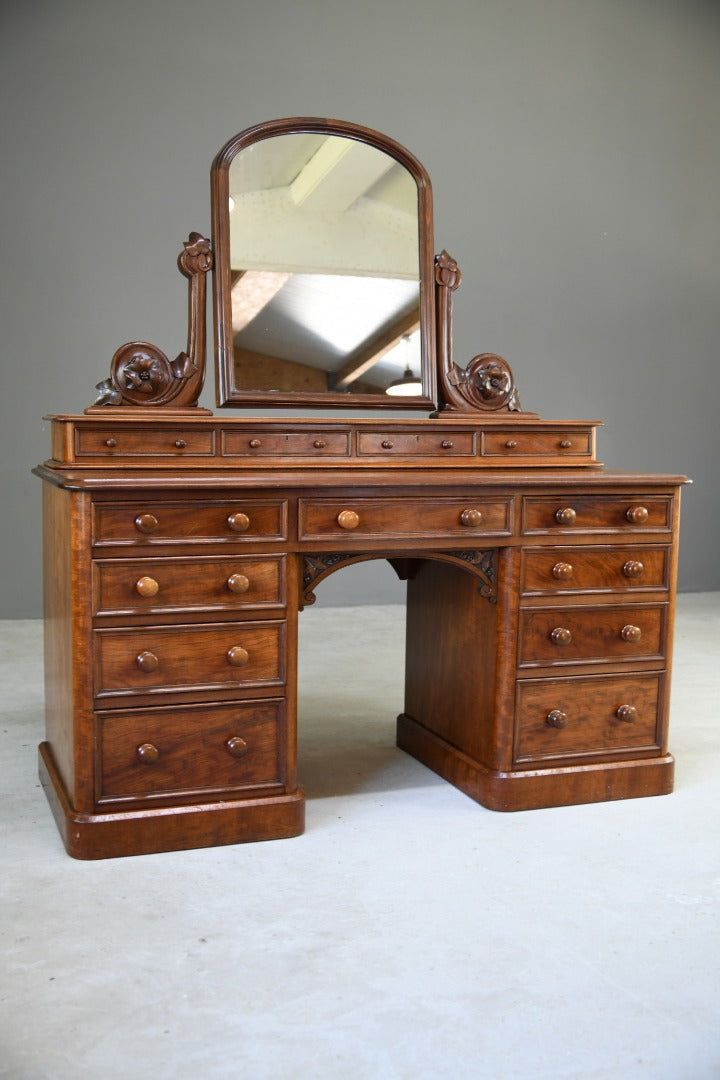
(124,586)
(594,569)
(416,444)
(595,714)
(583,513)
(402,517)
(286,444)
(147,441)
(166,658)
(511,443)
(579,635)
(233,521)
(151,752)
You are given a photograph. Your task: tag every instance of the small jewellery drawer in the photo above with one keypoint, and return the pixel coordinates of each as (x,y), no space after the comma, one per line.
(151,752)
(190,522)
(581,635)
(287,444)
(166,658)
(594,569)
(124,586)
(416,444)
(595,714)
(401,517)
(582,513)
(548,444)
(147,441)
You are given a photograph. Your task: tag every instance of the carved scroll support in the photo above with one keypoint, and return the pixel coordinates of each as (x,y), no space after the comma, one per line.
(487,384)
(141,375)
(482,564)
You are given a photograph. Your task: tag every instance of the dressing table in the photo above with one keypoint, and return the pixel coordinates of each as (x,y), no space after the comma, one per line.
(181,546)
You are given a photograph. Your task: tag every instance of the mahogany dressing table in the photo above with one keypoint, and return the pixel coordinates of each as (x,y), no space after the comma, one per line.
(180,547)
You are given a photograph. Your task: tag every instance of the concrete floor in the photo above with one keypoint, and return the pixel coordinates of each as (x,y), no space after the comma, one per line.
(408,935)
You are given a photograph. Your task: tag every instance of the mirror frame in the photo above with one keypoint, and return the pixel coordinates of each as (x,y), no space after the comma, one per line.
(228,395)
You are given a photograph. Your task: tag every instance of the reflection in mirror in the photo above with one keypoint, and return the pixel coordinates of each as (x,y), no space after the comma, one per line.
(324,267)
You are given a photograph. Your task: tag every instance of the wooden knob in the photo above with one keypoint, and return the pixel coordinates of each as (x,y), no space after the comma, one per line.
(237,656)
(637,515)
(387,444)
(557,719)
(319,444)
(238,522)
(236,746)
(633,569)
(628,713)
(238,583)
(148,753)
(111,443)
(565,444)
(180,444)
(147,661)
(511,444)
(565,516)
(147,586)
(561,636)
(471,518)
(348,519)
(254,444)
(562,571)
(446,444)
(146,523)
(631,633)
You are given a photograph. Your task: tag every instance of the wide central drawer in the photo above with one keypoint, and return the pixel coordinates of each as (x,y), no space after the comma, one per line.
(166,658)
(579,635)
(402,517)
(151,752)
(137,586)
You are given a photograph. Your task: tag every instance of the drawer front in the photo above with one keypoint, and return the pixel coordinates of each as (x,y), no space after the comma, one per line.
(584,513)
(235,521)
(586,715)
(416,444)
(150,441)
(594,569)
(512,443)
(161,659)
(288,444)
(146,752)
(381,518)
(577,635)
(138,586)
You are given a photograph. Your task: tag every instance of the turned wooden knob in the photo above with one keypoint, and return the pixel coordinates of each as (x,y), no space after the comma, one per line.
(565,516)
(238,522)
(633,569)
(111,443)
(148,753)
(319,444)
(565,444)
(180,444)
(387,444)
(561,636)
(237,656)
(146,523)
(637,515)
(238,583)
(562,571)
(236,746)
(471,518)
(348,519)
(631,633)
(147,586)
(557,718)
(147,661)
(628,713)
(254,444)
(447,444)
(511,444)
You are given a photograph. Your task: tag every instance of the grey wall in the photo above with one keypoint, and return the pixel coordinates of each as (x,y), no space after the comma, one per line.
(574,147)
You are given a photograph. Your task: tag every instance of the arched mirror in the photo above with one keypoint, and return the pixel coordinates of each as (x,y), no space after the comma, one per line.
(322,233)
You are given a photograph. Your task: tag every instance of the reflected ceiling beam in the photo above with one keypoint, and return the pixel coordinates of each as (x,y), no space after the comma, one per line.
(251,291)
(338,173)
(377,347)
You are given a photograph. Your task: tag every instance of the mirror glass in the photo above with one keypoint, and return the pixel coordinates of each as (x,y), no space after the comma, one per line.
(322,282)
